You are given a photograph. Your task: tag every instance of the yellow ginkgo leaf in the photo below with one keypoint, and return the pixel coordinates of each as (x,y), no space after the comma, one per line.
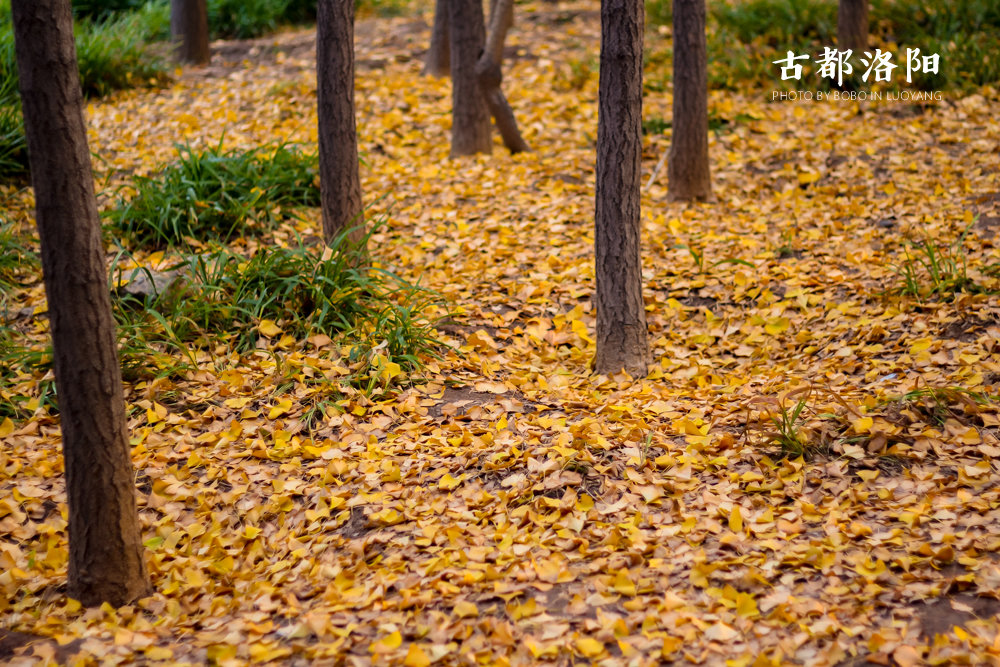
(269,328)
(776,326)
(623,584)
(387,644)
(588,647)
(735,520)
(415,657)
(465,609)
(281,408)
(449,483)
(863,424)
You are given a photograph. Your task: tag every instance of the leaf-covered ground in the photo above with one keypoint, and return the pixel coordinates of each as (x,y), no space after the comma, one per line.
(505,506)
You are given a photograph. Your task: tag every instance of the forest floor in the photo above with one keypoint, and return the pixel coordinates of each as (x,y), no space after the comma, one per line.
(510,507)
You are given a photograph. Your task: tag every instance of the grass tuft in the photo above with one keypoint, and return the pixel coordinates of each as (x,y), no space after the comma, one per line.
(786,419)
(930,269)
(16,258)
(13,145)
(224,298)
(216,195)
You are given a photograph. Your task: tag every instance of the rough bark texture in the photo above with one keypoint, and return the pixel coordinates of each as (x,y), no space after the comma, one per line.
(340,181)
(438,62)
(852,25)
(105,547)
(470,117)
(490,75)
(688,170)
(621,314)
(189,30)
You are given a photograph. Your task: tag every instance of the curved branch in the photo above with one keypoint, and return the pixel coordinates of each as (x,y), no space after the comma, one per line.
(490,76)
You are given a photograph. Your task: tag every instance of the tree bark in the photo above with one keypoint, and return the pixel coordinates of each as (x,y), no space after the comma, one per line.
(688,171)
(621,314)
(340,180)
(852,25)
(189,30)
(105,545)
(438,62)
(490,75)
(470,117)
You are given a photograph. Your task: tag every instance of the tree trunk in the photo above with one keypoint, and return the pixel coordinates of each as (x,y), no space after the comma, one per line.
(490,76)
(189,30)
(621,313)
(688,171)
(105,545)
(340,181)
(470,117)
(852,25)
(438,62)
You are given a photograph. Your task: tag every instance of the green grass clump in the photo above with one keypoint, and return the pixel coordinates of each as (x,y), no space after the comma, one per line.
(746,36)
(965,33)
(243,19)
(240,19)
(13,144)
(112,53)
(937,405)
(24,372)
(223,297)
(778,23)
(659,12)
(16,258)
(217,195)
(929,269)
(101,9)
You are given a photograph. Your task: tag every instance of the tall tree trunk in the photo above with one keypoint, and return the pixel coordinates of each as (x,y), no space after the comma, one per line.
(490,75)
(340,181)
(105,545)
(470,117)
(688,171)
(621,313)
(852,25)
(438,62)
(189,30)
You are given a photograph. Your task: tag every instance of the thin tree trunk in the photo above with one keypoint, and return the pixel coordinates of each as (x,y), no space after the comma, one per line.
(340,181)
(490,75)
(105,545)
(621,314)
(189,30)
(470,117)
(688,171)
(852,25)
(438,62)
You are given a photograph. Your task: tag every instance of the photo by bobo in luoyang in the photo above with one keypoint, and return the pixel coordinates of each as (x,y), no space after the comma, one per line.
(446,333)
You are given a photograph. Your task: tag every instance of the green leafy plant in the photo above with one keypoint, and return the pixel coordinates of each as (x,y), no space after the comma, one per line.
(223,298)
(930,269)
(659,12)
(13,144)
(25,368)
(655,125)
(216,195)
(111,53)
(777,23)
(15,256)
(938,404)
(787,420)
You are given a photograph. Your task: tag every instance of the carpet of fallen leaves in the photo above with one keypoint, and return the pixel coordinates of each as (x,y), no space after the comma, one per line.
(506,506)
